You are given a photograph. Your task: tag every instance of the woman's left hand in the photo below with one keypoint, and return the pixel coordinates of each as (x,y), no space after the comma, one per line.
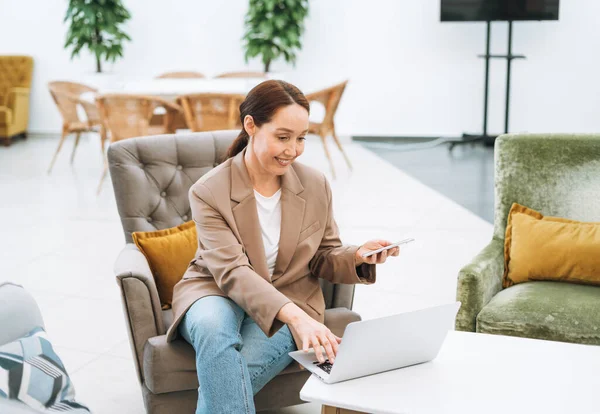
(375,258)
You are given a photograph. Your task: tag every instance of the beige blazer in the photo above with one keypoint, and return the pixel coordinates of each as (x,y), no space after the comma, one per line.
(230,260)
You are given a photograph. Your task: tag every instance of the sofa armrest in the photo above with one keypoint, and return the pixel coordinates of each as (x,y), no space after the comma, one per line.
(18,102)
(5,116)
(478,283)
(15,93)
(19,313)
(140,301)
(337,319)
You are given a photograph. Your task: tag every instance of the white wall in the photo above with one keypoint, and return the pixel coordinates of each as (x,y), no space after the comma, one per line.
(409,74)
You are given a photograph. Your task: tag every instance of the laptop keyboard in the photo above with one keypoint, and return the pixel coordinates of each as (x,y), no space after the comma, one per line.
(325,366)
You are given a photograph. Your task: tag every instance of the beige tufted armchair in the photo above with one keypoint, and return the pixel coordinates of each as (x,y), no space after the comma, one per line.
(15,84)
(151,179)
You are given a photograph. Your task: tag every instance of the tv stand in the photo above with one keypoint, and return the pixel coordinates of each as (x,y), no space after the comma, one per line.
(487,139)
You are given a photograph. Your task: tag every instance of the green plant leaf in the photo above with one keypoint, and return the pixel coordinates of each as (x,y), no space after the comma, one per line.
(96,25)
(273,29)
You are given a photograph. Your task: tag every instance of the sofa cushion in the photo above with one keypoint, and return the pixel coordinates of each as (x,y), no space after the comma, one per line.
(539,247)
(172,366)
(169,252)
(544,310)
(31,372)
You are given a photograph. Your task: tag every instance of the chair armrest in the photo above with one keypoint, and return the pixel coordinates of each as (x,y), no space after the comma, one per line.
(19,313)
(18,102)
(16,96)
(319,96)
(91,111)
(168,105)
(5,116)
(140,301)
(337,319)
(478,283)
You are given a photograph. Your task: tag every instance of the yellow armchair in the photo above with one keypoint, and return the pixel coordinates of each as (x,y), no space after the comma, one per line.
(15,84)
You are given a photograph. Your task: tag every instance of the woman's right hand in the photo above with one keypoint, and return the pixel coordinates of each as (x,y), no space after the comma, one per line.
(308,333)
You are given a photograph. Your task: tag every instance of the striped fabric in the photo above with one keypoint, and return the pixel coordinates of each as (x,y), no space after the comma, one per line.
(31,372)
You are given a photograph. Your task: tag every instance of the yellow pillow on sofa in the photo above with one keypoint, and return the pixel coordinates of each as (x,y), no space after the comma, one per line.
(169,253)
(550,248)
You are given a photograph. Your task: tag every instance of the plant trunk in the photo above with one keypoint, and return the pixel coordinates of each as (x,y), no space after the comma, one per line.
(267,65)
(98,40)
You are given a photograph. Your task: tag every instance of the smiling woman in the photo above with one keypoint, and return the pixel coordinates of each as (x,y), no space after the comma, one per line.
(262,105)
(266,233)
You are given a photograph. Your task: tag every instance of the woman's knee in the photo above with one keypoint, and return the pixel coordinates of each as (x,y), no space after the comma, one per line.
(213,319)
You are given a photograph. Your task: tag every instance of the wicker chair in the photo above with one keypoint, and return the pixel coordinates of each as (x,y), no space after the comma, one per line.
(67,96)
(127,116)
(178,121)
(181,75)
(330,98)
(242,75)
(211,111)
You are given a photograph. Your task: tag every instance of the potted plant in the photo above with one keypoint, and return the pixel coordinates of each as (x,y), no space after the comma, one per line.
(273,29)
(96,25)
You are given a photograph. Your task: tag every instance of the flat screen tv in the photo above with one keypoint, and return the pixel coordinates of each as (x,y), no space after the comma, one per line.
(504,10)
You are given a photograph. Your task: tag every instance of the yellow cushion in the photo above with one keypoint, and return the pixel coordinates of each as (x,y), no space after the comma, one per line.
(169,253)
(550,248)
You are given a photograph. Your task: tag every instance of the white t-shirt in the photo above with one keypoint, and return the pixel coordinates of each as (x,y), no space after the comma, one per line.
(269,216)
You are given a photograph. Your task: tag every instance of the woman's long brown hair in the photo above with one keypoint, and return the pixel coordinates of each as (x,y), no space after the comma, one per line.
(261,103)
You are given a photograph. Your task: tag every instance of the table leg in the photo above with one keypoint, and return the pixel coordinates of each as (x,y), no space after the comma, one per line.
(327,409)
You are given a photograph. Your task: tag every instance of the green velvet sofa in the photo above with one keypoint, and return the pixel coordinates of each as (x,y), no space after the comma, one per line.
(558,175)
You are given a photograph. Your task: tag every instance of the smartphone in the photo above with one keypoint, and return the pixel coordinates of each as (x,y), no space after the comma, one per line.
(391,246)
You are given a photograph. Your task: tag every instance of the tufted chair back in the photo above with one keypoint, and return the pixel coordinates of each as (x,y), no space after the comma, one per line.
(15,71)
(555,174)
(152,176)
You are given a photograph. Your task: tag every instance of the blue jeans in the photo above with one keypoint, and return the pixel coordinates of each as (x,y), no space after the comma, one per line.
(234,358)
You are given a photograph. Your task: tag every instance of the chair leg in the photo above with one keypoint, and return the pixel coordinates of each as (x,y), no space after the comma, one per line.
(102,177)
(75,146)
(60,144)
(323,140)
(103,140)
(339,145)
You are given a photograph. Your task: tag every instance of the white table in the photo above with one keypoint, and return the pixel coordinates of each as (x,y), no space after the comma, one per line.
(477,373)
(171,88)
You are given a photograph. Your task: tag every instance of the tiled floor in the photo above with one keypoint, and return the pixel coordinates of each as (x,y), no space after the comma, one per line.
(465,174)
(60,241)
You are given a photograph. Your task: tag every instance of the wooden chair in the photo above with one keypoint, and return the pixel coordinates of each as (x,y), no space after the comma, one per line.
(178,120)
(181,75)
(211,111)
(242,75)
(127,116)
(67,96)
(330,98)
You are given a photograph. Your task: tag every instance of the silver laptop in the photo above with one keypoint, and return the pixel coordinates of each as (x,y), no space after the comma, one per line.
(383,344)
